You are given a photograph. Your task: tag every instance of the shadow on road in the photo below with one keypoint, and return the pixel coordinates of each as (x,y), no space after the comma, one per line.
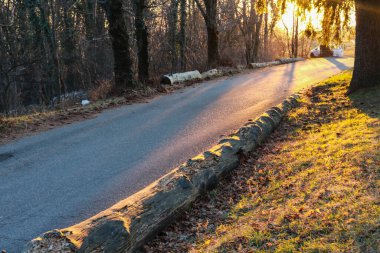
(337,63)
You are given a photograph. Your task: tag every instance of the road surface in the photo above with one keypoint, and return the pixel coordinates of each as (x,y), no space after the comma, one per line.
(60,177)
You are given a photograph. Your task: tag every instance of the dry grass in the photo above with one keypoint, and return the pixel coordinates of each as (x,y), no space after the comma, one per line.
(101,90)
(313,187)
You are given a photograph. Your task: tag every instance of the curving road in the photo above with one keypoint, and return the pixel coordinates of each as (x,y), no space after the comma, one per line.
(62,176)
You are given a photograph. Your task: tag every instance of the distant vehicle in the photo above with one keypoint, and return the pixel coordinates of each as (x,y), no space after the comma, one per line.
(326,52)
(338,52)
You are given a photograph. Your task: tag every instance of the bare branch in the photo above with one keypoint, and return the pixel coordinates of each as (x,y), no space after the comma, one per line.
(203,12)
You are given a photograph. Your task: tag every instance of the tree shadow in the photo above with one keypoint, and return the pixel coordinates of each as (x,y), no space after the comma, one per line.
(289,75)
(337,63)
(367,101)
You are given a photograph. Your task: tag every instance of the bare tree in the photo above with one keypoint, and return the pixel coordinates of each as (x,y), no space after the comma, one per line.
(118,30)
(142,40)
(250,26)
(172,33)
(209,12)
(182,35)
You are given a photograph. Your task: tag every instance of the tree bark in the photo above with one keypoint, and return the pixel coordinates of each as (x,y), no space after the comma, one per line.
(68,51)
(266,33)
(210,16)
(172,22)
(256,45)
(212,46)
(295,34)
(142,41)
(120,44)
(182,35)
(367,50)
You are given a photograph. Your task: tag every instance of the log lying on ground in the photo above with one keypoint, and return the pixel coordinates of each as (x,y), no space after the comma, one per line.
(126,226)
(181,77)
(274,63)
(289,60)
(211,73)
(195,75)
(263,64)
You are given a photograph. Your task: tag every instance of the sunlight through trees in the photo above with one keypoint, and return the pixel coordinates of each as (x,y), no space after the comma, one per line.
(50,48)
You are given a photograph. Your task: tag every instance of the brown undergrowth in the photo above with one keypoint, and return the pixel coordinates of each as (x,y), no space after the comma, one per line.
(314,186)
(42,118)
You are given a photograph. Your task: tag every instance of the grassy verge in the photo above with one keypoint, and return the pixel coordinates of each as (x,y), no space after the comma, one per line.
(313,187)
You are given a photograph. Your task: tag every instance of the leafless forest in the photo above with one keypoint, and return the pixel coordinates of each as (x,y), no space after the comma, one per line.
(49,48)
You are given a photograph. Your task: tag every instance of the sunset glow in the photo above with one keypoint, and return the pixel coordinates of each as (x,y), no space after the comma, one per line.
(312,17)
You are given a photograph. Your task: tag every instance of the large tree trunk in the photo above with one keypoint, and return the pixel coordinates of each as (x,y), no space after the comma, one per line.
(142,41)
(212,33)
(212,46)
(210,16)
(367,51)
(120,44)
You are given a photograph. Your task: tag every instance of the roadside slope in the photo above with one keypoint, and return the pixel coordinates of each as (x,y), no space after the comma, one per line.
(313,187)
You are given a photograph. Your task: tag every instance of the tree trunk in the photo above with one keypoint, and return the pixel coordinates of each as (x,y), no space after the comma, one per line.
(212,33)
(52,42)
(172,22)
(89,19)
(296,40)
(325,51)
(257,42)
(142,41)
(68,51)
(367,51)
(212,46)
(182,36)
(120,44)
(210,16)
(266,34)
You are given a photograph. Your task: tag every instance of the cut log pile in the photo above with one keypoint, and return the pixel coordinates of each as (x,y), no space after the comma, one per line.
(195,75)
(274,63)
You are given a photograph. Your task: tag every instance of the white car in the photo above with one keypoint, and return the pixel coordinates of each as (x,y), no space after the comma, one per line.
(315,52)
(336,52)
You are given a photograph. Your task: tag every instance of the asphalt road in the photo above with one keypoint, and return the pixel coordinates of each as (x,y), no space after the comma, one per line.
(62,176)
